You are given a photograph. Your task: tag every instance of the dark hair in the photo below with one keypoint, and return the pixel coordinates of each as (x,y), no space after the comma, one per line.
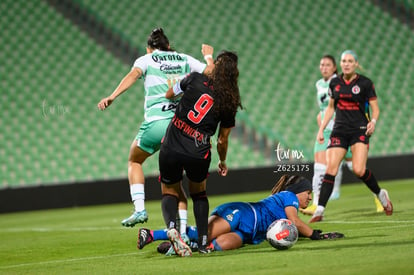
(224,79)
(158,40)
(330,57)
(285,181)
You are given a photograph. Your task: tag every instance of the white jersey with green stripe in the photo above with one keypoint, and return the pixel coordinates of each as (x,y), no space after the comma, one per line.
(322,87)
(159,69)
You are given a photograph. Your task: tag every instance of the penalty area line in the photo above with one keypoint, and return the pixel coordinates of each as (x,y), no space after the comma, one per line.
(67,260)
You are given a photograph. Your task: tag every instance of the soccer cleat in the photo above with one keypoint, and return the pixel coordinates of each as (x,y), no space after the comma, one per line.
(170,251)
(193,246)
(136,217)
(317,216)
(206,249)
(180,247)
(378,204)
(310,210)
(385,201)
(144,238)
(167,249)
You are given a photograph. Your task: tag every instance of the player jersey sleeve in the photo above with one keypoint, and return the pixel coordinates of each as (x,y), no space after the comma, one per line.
(183,84)
(290,199)
(142,64)
(330,89)
(228,121)
(371,94)
(317,96)
(195,65)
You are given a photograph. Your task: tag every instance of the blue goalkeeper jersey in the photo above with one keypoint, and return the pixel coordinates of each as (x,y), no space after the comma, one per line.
(270,209)
(251,220)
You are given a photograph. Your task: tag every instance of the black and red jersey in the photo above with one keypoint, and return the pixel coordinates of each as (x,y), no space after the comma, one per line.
(195,121)
(351,102)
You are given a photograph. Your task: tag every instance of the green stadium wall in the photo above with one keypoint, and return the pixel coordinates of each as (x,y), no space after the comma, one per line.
(237,181)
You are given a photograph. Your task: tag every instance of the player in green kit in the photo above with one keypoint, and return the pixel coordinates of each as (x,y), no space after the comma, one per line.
(159,68)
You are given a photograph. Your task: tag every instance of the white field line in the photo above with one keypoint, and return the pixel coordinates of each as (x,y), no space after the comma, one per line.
(67,260)
(386,225)
(107,228)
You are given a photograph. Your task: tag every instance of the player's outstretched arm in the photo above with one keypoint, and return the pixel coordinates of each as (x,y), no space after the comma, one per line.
(124,85)
(303,228)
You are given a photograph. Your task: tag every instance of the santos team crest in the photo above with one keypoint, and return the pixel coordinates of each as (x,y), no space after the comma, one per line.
(356,89)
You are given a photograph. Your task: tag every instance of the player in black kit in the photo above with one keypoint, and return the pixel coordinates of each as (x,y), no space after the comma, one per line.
(207,101)
(351,96)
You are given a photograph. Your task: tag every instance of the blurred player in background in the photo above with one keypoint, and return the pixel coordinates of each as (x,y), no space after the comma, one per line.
(236,223)
(160,66)
(353,127)
(328,69)
(208,102)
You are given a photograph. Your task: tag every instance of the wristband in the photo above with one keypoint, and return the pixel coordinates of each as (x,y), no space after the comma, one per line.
(207,56)
(374,121)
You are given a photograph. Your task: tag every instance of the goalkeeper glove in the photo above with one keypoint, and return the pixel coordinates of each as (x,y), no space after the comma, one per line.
(318,235)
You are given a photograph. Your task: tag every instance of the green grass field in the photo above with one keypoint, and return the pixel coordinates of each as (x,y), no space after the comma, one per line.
(91,240)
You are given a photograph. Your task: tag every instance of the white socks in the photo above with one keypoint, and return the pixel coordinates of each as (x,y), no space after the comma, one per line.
(138,196)
(338,180)
(349,164)
(319,211)
(182,216)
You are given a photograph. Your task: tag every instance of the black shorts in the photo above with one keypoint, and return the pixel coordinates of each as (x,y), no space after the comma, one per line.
(346,140)
(172,165)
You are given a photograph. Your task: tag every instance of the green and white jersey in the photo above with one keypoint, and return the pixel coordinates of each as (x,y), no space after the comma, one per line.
(158,69)
(322,87)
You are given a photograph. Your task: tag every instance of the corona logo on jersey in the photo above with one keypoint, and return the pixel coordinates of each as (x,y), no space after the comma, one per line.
(166,57)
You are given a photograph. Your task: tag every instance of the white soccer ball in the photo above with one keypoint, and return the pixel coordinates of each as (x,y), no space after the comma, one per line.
(282,234)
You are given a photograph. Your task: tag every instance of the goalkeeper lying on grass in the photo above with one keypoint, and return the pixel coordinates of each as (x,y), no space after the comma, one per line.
(236,223)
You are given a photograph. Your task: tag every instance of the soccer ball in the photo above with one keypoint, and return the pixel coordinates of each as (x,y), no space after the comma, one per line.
(282,234)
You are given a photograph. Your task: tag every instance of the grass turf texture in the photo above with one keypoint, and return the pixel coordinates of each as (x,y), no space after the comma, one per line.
(91,240)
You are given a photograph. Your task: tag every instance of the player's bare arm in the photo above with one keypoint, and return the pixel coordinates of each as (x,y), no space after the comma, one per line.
(124,85)
(222,144)
(328,115)
(375,115)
